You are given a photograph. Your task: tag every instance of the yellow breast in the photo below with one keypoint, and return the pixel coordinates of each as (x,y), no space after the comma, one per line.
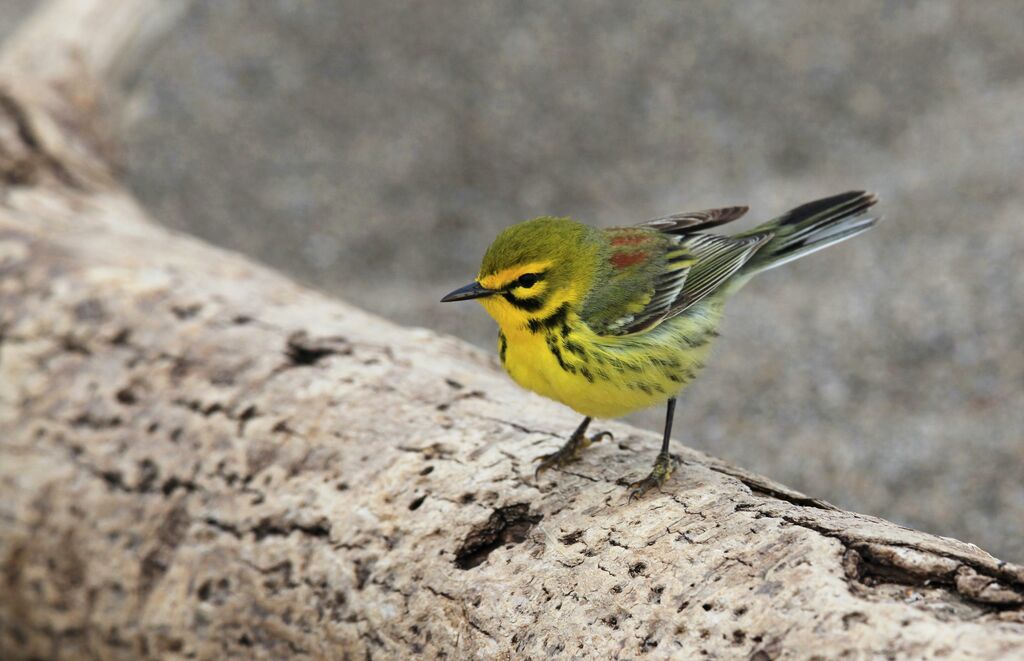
(607,377)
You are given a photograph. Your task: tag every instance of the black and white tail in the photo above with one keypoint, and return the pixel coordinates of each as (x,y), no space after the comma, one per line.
(809,228)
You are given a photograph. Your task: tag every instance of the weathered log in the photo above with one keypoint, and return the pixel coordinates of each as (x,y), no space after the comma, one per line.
(199,458)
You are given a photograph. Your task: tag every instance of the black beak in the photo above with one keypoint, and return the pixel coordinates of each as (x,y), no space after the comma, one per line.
(472,290)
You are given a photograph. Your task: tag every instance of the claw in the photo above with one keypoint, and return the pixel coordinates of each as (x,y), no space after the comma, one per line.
(639,488)
(546,462)
(663,467)
(564,456)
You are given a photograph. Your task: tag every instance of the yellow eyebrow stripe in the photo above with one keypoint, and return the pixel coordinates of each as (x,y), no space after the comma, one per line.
(505,277)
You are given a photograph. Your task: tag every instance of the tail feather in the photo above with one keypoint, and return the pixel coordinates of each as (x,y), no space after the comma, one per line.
(811,227)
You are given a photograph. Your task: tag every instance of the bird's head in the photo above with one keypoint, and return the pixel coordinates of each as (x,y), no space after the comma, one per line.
(532,269)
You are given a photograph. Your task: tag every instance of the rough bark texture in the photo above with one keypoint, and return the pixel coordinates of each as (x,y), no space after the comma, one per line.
(199,458)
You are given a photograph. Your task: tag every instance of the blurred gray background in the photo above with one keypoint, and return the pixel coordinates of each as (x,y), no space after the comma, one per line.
(373,149)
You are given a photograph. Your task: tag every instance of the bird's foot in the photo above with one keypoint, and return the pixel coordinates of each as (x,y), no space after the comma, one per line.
(663,467)
(569,452)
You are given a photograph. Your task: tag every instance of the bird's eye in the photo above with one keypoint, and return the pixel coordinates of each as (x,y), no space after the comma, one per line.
(527,280)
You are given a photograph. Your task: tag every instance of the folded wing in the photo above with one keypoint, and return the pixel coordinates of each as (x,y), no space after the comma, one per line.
(661,267)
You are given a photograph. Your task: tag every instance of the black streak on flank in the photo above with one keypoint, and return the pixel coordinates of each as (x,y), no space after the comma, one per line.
(566,367)
(697,341)
(502,346)
(576,349)
(554,320)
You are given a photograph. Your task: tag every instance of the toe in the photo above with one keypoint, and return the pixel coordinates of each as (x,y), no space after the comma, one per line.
(640,488)
(553,460)
(546,462)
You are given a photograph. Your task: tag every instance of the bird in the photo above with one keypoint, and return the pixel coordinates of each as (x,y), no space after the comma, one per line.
(608,321)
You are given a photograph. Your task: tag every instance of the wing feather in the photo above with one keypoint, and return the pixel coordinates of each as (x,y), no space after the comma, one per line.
(667,288)
(717,259)
(663,266)
(691,221)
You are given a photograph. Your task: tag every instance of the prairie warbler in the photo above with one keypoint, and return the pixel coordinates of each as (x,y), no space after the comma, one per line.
(610,321)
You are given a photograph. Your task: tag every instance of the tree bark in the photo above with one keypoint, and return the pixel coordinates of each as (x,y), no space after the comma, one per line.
(199,458)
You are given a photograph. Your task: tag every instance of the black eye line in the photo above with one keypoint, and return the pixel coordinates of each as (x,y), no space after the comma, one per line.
(515,283)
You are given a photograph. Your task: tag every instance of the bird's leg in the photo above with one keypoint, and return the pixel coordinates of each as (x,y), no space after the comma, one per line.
(663,465)
(571,450)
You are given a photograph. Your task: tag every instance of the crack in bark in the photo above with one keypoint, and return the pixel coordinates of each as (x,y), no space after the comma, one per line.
(472,394)
(518,427)
(169,536)
(301,350)
(580,475)
(874,561)
(474,625)
(114,478)
(24,170)
(762,488)
(439,593)
(266,527)
(507,525)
